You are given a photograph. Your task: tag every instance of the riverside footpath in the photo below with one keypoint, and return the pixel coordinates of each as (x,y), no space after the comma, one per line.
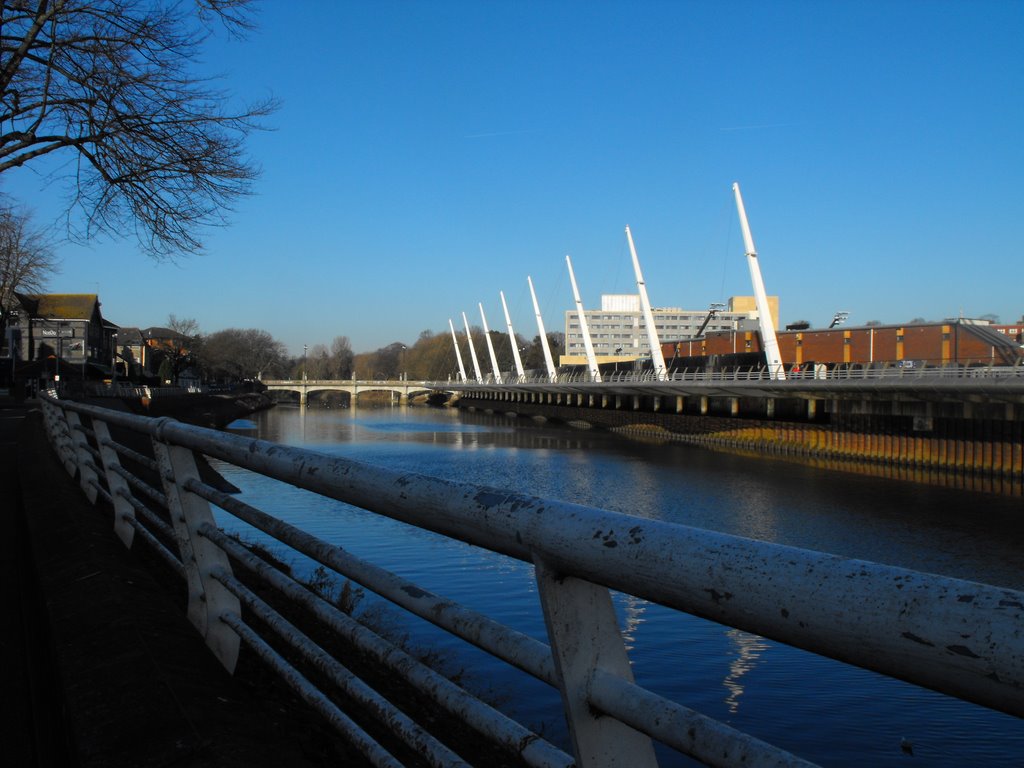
(100,665)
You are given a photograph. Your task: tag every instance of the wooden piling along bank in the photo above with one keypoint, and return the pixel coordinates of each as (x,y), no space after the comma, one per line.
(980,453)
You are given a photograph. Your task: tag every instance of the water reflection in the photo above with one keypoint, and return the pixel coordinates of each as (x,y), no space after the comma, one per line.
(995,483)
(633,610)
(940,530)
(747,649)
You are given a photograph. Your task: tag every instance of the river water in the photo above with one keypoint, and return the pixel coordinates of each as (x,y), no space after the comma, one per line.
(819,709)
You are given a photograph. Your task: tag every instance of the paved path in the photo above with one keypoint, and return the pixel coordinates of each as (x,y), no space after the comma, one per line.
(33,729)
(99,661)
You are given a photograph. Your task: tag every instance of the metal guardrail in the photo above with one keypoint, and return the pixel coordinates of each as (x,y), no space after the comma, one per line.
(923,373)
(958,637)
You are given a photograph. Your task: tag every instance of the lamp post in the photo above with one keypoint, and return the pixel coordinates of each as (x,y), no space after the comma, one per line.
(60,350)
(403,377)
(304,348)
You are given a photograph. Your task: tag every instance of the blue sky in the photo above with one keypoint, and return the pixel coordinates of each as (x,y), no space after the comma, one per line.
(430,154)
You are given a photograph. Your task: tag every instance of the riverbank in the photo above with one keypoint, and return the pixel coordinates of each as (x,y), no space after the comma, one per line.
(203,410)
(973,454)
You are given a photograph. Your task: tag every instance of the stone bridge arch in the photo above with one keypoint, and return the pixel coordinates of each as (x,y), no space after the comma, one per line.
(305,387)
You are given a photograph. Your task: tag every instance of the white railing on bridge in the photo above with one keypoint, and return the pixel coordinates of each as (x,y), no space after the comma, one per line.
(884,372)
(958,637)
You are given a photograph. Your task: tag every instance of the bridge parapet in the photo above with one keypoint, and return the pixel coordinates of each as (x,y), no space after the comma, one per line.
(997,383)
(402,387)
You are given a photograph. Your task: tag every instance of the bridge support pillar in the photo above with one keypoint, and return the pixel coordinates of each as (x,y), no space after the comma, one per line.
(734,406)
(680,403)
(618,402)
(636,402)
(302,396)
(657,403)
(812,409)
(604,401)
(769,407)
(703,405)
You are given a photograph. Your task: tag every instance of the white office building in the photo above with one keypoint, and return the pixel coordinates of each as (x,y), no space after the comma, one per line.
(618,331)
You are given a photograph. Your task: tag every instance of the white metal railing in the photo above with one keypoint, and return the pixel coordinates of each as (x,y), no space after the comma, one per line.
(880,372)
(954,636)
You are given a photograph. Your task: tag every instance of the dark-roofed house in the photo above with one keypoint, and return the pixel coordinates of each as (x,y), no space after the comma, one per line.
(61,329)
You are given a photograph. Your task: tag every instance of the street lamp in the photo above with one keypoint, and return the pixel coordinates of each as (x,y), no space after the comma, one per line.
(404,377)
(304,348)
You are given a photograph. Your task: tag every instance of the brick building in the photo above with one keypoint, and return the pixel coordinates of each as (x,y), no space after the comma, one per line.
(962,342)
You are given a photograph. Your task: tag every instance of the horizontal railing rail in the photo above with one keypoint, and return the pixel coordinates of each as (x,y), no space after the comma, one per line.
(922,372)
(958,637)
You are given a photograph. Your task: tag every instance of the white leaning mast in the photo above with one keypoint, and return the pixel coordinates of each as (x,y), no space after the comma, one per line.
(588,345)
(764,316)
(657,358)
(458,355)
(472,351)
(490,346)
(552,374)
(512,337)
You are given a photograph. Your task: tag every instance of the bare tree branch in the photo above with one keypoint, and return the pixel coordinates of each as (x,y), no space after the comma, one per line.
(112,81)
(27,261)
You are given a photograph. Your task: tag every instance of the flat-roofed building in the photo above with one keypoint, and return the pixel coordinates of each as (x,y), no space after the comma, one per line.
(618,330)
(959,341)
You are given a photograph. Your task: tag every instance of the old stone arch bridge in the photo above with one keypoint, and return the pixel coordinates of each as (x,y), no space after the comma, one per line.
(404,389)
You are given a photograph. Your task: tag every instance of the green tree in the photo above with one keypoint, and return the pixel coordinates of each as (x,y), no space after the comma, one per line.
(166,371)
(157,150)
(533,356)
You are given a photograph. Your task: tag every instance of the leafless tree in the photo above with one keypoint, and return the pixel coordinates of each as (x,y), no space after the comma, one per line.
(179,349)
(341,358)
(235,354)
(26,261)
(157,149)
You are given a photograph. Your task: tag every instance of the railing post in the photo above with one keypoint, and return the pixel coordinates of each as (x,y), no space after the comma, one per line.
(54,417)
(584,637)
(118,486)
(87,477)
(208,599)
